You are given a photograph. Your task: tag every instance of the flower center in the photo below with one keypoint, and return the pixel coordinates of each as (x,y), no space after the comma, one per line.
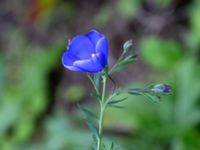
(93,55)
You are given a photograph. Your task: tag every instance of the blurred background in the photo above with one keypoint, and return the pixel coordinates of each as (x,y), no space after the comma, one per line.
(39,97)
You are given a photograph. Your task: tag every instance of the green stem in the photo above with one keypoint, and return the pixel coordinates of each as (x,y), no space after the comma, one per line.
(101,117)
(115,65)
(95,87)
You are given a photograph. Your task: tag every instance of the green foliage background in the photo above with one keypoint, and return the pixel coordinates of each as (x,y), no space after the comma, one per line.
(38,97)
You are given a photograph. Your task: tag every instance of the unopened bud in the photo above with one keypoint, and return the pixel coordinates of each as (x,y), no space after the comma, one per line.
(161,88)
(127,45)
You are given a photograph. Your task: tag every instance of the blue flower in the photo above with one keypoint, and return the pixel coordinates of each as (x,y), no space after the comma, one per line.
(86,53)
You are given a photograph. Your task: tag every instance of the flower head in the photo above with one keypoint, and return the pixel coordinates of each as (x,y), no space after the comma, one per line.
(162,88)
(86,53)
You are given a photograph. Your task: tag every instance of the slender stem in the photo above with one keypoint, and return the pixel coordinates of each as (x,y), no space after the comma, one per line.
(95,87)
(102,110)
(118,60)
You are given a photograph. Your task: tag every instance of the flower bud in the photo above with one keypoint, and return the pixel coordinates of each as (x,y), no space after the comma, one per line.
(127,45)
(161,88)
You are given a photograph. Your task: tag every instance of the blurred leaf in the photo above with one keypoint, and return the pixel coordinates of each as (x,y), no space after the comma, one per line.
(62,133)
(89,114)
(186,105)
(127,8)
(94,130)
(192,43)
(194,19)
(3,70)
(24,129)
(75,93)
(164,3)
(112,146)
(103,16)
(160,54)
(153,98)
(9,113)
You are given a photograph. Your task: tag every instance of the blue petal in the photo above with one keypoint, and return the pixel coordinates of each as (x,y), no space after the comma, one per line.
(94,36)
(92,65)
(81,47)
(102,46)
(68,60)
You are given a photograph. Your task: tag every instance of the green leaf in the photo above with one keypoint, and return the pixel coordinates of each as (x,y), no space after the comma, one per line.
(153,98)
(163,3)
(135,91)
(103,16)
(194,20)
(160,53)
(127,60)
(89,117)
(74,93)
(89,114)
(117,106)
(93,129)
(117,101)
(127,8)
(112,146)
(124,62)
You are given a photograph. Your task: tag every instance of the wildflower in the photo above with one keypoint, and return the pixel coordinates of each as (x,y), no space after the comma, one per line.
(86,53)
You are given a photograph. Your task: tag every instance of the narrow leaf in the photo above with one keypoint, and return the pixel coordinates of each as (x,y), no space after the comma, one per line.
(129,59)
(153,98)
(89,114)
(93,129)
(135,91)
(131,56)
(124,62)
(112,146)
(117,106)
(117,101)
(104,147)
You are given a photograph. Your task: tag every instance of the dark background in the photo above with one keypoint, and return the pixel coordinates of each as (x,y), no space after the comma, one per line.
(39,97)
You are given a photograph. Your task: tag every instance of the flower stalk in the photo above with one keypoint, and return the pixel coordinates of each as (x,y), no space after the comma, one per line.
(102,111)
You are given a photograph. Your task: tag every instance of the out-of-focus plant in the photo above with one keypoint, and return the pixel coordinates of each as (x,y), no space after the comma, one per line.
(89,53)
(23,90)
(159,53)
(60,133)
(127,8)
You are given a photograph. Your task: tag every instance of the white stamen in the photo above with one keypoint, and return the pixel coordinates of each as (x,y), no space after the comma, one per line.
(93,55)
